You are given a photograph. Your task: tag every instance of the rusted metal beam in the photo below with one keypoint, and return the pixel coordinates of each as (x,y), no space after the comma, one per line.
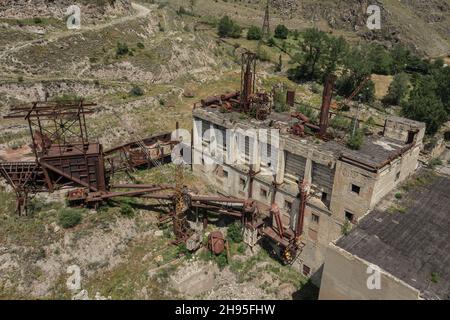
(62,173)
(326,103)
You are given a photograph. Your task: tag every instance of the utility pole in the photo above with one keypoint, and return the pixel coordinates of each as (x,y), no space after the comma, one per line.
(266,23)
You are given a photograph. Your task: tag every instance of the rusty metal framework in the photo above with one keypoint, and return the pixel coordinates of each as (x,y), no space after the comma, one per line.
(266,22)
(303,122)
(247,100)
(65,156)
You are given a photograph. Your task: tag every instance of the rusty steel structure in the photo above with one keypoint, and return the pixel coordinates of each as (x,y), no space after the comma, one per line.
(326,103)
(303,122)
(266,23)
(256,104)
(66,157)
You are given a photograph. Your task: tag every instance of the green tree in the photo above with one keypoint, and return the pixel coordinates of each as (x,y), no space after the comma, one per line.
(337,51)
(400,57)
(382,62)
(254,33)
(347,84)
(228,28)
(442,78)
(318,55)
(311,56)
(356,67)
(281,32)
(425,105)
(398,89)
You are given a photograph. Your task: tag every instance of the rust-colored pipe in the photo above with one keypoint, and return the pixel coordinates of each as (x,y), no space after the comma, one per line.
(275,212)
(326,103)
(301,209)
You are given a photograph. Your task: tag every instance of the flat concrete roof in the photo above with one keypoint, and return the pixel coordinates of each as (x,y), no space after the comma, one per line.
(411,245)
(376,151)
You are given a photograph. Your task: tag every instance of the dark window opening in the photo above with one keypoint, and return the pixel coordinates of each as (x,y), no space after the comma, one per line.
(397,176)
(242,182)
(411,137)
(356,189)
(315,218)
(225,174)
(288,206)
(349,216)
(263,193)
(324,196)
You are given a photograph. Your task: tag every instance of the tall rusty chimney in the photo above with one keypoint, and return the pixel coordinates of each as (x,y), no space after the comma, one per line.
(326,103)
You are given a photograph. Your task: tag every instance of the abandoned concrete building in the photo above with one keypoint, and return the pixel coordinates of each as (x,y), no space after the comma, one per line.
(344,184)
(409,249)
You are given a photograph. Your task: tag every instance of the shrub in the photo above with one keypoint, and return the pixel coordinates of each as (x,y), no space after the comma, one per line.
(235,232)
(254,33)
(271,42)
(228,28)
(398,195)
(340,123)
(69,218)
(140,45)
(346,227)
(262,54)
(279,100)
(136,91)
(126,210)
(221,260)
(281,32)
(37,20)
(182,11)
(241,248)
(122,49)
(308,111)
(356,140)
(434,277)
(398,89)
(182,250)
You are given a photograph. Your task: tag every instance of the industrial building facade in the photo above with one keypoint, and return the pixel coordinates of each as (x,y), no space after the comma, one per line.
(263,161)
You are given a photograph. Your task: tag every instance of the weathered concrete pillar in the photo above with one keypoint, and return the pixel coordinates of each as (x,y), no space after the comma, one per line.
(256,153)
(308,168)
(233,148)
(280,163)
(197,131)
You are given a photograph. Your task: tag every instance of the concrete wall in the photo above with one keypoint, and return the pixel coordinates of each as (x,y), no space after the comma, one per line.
(344,199)
(345,278)
(395,173)
(399,128)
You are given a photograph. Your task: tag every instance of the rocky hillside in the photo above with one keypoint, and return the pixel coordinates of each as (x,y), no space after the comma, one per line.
(423,25)
(91,9)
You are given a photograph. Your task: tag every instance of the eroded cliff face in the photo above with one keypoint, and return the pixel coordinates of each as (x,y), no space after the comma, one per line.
(91,10)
